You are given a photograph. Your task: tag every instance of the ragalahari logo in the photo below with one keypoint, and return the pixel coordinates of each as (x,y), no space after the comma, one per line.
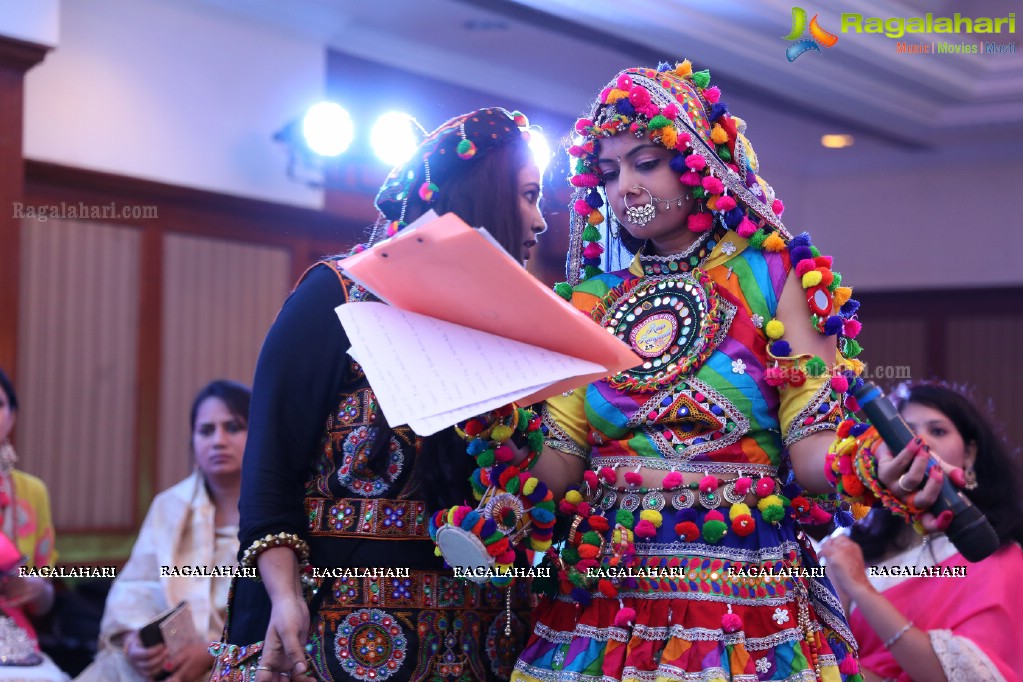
(818,36)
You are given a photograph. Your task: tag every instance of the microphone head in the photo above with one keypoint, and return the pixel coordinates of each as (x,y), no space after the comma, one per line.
(972,535)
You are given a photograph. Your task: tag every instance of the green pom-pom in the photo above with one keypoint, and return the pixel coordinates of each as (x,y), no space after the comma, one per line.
(545,504)
(497,535)
(513,485)
(592,537)
(773,513)
(485,458)
(713,531)
(625,518)
(581,168)
(523,420)
(701,78)
(816,367)
(815,251)
(535,440)
(564,290)
(699,193)
(591,234)
(723,153)
(658,121)
(815,320)
(591,271)
(852,348)
(577,578)
(758,238)
(836,282)
(854,678)
(570,555)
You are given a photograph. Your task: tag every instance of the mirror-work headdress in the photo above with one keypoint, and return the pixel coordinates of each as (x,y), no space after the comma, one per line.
(678,109)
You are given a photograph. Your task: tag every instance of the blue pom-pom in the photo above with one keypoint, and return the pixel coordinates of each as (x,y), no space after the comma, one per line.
(717,111)
(857,430)
(856,384)
(470,520)
(802,239)
(592,261)
(844,518)
(799,253)
(541,515)
(791,490)
(625,108)
(594,200)
(489,528)
(850,307)
(781,349)
(476,446)
(496,472)
(581,596)
(475,478)
(630,584)
(734,217)
(833,326)
(538,494)
(678,163)
(687,514)
(664,66)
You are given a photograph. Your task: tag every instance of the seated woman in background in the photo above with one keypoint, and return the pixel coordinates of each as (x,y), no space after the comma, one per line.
(939,628)
(194,523)
(25,520)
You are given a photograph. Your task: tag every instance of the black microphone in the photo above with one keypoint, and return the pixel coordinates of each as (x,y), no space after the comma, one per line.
(970,531)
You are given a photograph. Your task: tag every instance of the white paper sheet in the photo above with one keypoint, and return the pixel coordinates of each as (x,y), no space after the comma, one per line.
(430,374)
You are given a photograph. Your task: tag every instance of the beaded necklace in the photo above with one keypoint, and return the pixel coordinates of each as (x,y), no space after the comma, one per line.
(685,261)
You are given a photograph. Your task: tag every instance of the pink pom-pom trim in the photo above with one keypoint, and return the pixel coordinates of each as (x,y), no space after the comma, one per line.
(713,185)
(714,515)
(765,486)
(593,250)
(690,178)
(632,478)
(724,203)
(708,484)
(591,478)
(839,383)
(503,453)
(778,207)
(804,266)
(639,96)
(670,112)
(460,514)
(625,617)
(852,328)
(581,207)
(699,222)
(609,475)
(583,508)
(645,529)
(583,124)
(731,622)
(746,228)
(743,484)
(696,162)
(848,666)
(624,82)
(712,94)
(774,376)
(683,141)
(585,180)
(672,480)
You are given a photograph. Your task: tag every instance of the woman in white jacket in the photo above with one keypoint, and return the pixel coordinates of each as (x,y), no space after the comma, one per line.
(185,552)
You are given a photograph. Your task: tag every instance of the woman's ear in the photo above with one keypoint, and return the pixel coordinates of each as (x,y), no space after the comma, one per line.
(971,455)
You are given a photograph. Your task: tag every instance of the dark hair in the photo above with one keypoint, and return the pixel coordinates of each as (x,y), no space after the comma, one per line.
(8,388)
(484,193)
(998,470)
(234,395)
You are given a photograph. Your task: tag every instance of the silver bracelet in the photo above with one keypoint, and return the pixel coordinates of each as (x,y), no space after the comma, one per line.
(898,635)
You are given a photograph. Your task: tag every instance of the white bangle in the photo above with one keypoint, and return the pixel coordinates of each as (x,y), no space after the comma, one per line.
(898,635)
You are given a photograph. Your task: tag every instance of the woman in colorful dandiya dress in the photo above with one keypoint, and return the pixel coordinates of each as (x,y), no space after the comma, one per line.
(685,559)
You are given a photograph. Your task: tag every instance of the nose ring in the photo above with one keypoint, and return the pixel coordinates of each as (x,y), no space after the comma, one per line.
(641,215)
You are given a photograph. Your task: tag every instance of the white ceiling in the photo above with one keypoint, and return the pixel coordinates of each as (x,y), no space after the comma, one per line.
(557,53)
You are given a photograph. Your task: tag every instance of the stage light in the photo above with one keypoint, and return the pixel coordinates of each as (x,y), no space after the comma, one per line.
(541,150)
(836,141)
(328,129)
(393,139)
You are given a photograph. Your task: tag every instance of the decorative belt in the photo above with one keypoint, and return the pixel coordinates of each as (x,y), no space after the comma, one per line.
(367,518)
(412,589)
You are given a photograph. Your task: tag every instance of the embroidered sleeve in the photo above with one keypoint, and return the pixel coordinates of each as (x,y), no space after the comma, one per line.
(961,659)
(564,417)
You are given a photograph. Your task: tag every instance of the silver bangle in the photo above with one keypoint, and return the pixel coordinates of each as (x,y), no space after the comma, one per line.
(898,635)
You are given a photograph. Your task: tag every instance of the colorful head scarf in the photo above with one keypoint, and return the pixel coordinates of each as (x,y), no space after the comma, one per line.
(446,150)
(679,110)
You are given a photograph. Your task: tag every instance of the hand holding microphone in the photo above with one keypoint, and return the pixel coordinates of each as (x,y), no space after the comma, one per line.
(965,525)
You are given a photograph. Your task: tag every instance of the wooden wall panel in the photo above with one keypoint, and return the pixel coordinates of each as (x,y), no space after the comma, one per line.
(219,299)
(78,315)
(895,350)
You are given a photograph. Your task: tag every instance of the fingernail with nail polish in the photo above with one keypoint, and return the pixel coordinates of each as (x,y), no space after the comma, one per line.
(936,473)
(957,477)
(944,520)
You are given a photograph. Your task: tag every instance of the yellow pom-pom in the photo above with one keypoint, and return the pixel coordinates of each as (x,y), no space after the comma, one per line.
(770,501)
(738,510)
(529,486)
(436,551)
(616,95)
(812,279)
(718,134)
(595,217)
(857,366)
(774,329)
(501,433)
(540,545)
(667,135)
(573,497)
(774,243)
(653,516)
(860,510)
(683,69)
(841,295)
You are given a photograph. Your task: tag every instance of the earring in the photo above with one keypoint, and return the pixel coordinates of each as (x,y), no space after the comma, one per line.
(641,215)
(970,475)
